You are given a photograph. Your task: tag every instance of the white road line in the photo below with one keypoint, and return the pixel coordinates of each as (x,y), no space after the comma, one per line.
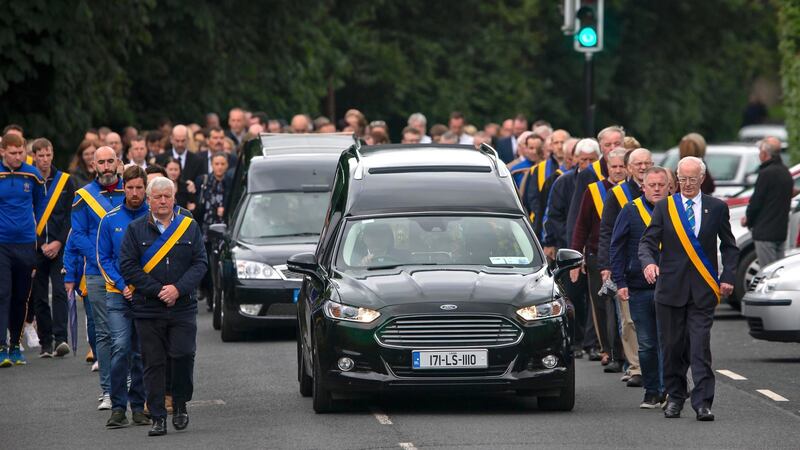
(382,418)
(731,375)
(407,446)
(196,403)
(772,395)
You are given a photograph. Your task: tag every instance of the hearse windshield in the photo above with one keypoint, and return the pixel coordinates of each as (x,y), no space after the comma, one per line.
(283,214)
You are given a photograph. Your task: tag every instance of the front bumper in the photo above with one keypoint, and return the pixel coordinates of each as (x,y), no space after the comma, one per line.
(276,297)
(379,368)
(773,316)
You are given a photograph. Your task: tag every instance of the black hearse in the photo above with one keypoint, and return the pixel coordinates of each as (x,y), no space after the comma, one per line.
(283,194)
(428,276)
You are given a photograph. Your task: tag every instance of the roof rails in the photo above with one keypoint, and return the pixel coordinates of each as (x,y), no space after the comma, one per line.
(313,142)
(491,153)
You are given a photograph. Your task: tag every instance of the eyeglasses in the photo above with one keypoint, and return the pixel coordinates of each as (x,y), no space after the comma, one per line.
(688,181)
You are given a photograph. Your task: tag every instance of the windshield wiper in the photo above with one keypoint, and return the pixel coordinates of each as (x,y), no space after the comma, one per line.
(392,266)
(288,235)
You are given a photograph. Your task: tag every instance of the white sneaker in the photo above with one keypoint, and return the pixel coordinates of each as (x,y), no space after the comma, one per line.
(100,397)
(95,366)
(31,338)
(105,404)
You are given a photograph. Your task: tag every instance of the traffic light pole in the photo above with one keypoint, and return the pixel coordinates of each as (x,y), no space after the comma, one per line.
(588,79)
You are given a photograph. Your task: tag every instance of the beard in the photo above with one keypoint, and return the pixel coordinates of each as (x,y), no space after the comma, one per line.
(107,178)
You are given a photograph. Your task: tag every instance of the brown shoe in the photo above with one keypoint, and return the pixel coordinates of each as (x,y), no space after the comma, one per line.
(90,356)
(168,403)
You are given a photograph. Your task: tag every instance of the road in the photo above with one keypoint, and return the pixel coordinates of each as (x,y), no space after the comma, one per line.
(246,397)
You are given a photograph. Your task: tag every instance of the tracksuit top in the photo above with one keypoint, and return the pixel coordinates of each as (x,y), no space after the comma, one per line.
(109,239)
(22,202)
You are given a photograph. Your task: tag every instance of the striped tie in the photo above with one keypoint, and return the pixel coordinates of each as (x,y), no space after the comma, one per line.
(690,214)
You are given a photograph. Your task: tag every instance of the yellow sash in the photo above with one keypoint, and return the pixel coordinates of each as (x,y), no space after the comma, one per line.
(643,212)
(621,194)
(170,242)
(692,247)
(92,202)
(51,204)
(598,193)
(598,170)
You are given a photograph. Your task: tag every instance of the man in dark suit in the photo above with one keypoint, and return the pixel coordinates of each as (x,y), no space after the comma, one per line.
(507,146)
(678,252)
(192,166)
(216,144)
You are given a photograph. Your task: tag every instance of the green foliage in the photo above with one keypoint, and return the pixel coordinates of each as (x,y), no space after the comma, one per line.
(789,33)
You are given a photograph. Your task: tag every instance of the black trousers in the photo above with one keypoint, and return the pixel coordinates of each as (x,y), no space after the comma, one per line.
(686,342)
(49,324)
(604,311)
(168,340)
(16,266)
(584,335)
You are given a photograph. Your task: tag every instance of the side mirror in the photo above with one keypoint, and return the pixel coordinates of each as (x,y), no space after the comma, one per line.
(217,230)
(566,260)
(305,263)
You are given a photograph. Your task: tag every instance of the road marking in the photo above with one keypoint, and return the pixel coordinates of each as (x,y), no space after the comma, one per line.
(407,446)
(731,375)
(382,418)
(196,403)
(772,395)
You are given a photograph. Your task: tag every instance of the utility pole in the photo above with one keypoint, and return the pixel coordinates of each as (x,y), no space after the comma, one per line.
(584,20)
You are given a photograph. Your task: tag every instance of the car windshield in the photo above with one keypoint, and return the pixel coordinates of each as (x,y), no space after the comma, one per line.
(373,244)
(283,214)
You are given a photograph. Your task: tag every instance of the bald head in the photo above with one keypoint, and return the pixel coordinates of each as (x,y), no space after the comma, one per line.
(105,165)
(236,120)
(300,124)
(179,138)
(770,147)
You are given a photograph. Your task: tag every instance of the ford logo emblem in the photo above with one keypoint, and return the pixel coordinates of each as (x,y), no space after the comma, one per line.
(448,307)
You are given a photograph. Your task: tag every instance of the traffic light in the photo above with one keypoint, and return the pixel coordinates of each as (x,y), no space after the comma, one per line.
(589,26)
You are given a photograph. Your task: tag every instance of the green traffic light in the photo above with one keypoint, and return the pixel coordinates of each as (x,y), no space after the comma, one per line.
(587,37)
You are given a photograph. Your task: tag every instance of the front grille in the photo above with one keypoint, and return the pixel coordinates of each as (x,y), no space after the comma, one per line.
(494,370)
(754,283)
(282,309)
(755,324)
(448,331)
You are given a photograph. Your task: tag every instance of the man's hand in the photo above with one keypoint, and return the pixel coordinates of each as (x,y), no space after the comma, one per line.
(190,188)
(651,273)
(169,294)
(605,275)
(220,211)
(51,249)
(623,295)
(69,287)
(550,252)
(190,206)
(127,293)
(725,289)
(574,274)
(744,221)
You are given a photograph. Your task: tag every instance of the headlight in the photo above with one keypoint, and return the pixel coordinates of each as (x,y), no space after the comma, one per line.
(252,270)
(543,310)
(352,313)
(770,282)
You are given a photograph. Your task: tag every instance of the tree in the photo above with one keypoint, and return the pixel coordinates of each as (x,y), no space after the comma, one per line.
(789,32)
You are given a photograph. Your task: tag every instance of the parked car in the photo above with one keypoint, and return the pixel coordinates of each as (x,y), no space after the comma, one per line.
(772,307)
(754,133)
(732,166)
(428,276)
(743,198)
(282,204)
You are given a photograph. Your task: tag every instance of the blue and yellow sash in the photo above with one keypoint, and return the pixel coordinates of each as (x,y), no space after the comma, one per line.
(691,244)
(59,181)
(623,194)
(598,192)
(93,197)
(597,168)
(645,212)
(546,168)
(159,249)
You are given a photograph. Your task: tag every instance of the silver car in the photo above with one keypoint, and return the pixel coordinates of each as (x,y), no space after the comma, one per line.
(732,166)
(772,307)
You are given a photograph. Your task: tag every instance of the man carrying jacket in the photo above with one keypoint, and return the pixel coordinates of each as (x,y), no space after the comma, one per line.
(162,256)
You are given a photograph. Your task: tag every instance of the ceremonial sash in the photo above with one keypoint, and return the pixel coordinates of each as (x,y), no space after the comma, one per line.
(598,193)
(545,170)
(690,243)
(597,169)
(59,181)
(644,211)
(159,249)
(92,196)
(623,193)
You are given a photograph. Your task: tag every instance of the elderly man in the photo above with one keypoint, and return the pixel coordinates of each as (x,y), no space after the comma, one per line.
(164,272)
(767,213)
(633,289)
(192,165)
(419,122)
(114,141)
(237,125)
(300,124)
(537,188)
(679,254)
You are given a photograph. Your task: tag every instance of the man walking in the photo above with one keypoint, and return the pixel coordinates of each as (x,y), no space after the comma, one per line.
(125,357)
(21,203)
(52,230)
(679,254)
(767,213)
(164,272)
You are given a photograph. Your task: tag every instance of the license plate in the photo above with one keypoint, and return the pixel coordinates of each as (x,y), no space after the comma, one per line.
(295,295)
(449,359)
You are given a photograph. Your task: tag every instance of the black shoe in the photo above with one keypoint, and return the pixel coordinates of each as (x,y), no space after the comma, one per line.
(117,419)
(46,351)
(62,349)
(651,401)
(577,353)
(594,355)
(673,410)
(180,418)
(159,427)
(635,381)
(613,367)
(705,415)
(140,418)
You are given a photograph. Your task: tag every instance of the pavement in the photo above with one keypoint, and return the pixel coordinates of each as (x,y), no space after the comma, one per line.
(246,396)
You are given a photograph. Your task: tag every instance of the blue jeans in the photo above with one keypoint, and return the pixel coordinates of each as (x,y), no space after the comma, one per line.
(643,313)
(96,286)
(125,356)
(90,334)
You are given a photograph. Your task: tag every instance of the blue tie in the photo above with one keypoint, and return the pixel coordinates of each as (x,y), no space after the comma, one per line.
(690,214)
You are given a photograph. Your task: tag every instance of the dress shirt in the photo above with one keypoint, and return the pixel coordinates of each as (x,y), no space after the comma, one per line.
(698,210)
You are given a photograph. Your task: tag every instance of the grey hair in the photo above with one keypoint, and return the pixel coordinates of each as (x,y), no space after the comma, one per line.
(417,117)
(612,128)
(618,152)
(696,160)
(767,146)
(637,152)
(587,146)
(159,183)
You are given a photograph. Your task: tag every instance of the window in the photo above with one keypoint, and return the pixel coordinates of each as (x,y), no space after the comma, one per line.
(282,214)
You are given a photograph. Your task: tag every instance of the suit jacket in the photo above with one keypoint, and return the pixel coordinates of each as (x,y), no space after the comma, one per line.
(678,278)
(505,149)
(611,209)
(556,231)
(582,181)
(193,167)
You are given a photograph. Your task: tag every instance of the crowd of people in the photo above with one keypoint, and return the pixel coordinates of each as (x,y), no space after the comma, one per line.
(125,226)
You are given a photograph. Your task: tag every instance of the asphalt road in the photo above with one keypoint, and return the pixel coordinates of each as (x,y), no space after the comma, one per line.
(246,397)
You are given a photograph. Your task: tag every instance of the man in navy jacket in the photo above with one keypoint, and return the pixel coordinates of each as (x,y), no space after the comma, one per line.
(163,257)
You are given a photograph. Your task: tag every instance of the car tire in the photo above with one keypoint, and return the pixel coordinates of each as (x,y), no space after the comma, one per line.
(303,378)
(322,398)
(740,286)
(227,333)
(565,401)
(215,314)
